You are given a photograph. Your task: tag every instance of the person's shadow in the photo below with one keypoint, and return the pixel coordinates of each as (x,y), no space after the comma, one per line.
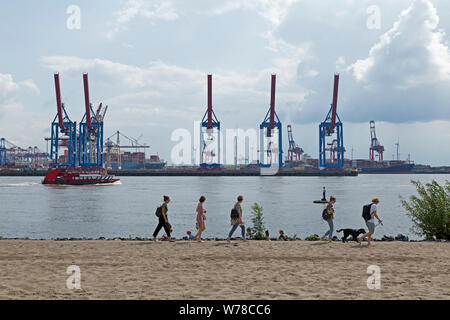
(319,243)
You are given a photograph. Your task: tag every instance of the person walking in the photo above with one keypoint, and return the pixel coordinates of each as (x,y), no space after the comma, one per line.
(201,217)
(328,216)
(371,222)
(237,221)
(163,220)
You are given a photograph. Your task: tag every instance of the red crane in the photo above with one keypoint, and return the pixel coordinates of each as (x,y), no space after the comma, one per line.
(272,106)
(210,120)
(59,103)
(87,102)
(335,99)
(294,152)
(375,145)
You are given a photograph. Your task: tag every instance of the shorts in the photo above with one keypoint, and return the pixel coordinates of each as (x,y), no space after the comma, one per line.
(370,226)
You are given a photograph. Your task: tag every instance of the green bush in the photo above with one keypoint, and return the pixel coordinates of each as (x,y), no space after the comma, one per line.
(314,237)
(430,210)
(258,230)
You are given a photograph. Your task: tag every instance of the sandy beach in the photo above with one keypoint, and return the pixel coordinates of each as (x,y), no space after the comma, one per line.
(117,269)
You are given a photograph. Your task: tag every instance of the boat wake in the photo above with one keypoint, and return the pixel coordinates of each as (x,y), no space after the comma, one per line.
(23,184)
(107,184)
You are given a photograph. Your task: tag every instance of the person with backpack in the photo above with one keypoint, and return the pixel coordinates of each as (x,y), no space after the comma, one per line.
(236,219)
(328,216)
(201,217)
(369,214)
(161,213)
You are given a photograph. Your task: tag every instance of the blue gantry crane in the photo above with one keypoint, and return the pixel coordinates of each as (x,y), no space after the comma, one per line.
(332,127)
(90,141)
(63,133)
(271,128)
(209,157)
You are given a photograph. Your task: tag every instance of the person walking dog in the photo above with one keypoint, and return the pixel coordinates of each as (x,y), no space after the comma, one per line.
(369,214)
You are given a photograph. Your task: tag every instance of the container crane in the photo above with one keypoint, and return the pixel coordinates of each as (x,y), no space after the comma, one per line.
(115,148)
(209,138)
(270,129)
(11,154)
(294,152)
(63,132)
(90,145)
(332,127)
(375,146)
(7,147)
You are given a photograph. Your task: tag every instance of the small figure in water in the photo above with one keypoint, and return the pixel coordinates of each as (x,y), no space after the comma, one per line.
(324,198)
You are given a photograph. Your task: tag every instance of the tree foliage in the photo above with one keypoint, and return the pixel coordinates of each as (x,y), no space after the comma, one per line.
(258,229)
(430,210)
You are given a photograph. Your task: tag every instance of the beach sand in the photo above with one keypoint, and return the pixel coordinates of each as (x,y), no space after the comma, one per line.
(117,269)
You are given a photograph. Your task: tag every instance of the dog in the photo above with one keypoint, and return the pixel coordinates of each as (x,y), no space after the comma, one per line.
(351,232)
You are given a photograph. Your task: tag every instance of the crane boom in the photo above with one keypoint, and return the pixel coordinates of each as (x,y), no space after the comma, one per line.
(272,102)
(99,109)
(59,102)
(87,101)
(335,100)
(373,135)
(209,101)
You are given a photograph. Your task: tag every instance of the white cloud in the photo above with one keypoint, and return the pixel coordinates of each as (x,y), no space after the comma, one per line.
(406,75)
(410,54)
(18,122)
(152,10)
(180,92)
(9,87)
(274,11)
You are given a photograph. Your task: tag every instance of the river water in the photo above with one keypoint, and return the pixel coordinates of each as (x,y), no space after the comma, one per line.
(30,209)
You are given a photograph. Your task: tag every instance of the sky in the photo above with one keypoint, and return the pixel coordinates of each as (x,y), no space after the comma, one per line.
(148,61)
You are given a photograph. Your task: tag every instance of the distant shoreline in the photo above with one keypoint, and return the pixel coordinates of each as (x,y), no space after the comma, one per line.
(214,173)
(194,172)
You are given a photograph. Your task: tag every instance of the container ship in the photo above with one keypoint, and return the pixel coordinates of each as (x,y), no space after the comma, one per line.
(394,166)
(135,161)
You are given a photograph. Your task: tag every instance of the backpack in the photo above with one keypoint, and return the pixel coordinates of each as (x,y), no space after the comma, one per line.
(325,215)
(158,212)
(234,214)
(366,212)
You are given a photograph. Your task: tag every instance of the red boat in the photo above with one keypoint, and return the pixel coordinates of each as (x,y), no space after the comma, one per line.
(79,176)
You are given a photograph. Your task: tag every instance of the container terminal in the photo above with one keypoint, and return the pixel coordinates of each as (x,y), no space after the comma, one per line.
(82,147)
